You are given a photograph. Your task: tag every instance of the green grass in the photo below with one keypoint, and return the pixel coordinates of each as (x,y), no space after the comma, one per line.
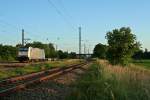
(143,63)
(110,83)
(34,68)
(22,71)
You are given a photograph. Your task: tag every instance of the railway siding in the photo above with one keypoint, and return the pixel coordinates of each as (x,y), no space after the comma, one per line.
(12,85)
(54,89)
(6,72)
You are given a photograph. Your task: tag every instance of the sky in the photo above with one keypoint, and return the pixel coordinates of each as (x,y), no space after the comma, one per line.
(57,21)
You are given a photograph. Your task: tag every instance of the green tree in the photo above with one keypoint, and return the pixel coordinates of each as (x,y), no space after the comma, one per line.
(51,51)
(138,55)
(100,51)
(36,44)
(122,45)
(72,55)
(62,55)
(7,53)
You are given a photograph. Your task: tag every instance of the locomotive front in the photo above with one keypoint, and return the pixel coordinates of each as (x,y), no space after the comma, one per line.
(23,54)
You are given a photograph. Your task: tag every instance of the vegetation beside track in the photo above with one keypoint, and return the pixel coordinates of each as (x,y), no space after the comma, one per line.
(106,82)
(35,68)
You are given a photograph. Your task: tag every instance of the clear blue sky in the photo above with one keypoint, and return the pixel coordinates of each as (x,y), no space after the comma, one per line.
(41,20)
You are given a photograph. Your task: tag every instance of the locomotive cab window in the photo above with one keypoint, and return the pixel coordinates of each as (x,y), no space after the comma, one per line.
(23,49)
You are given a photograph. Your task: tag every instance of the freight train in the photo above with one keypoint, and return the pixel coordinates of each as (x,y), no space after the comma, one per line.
(31,54)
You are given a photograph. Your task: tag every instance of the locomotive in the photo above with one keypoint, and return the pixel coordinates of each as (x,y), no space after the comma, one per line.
(31,54)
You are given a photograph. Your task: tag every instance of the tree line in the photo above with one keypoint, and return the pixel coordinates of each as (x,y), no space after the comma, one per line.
(139,55)
(9,53)
(122,46)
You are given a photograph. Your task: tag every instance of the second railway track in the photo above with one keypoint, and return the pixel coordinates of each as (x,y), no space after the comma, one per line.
(19,64)
(17,83)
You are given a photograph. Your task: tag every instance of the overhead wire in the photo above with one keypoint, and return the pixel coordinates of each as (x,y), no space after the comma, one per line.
(64,8)
(8,24)
(15,28)
(57,10)
(61,14)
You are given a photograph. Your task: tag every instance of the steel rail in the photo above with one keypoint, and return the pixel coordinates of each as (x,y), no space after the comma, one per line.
(14,84)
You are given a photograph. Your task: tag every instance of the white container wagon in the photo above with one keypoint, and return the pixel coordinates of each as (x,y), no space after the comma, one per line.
(31,54)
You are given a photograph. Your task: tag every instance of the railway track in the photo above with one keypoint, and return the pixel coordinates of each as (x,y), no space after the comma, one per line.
(14,84)
(19,64)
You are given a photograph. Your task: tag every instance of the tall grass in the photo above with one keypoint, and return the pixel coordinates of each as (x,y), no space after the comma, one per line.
(107,82)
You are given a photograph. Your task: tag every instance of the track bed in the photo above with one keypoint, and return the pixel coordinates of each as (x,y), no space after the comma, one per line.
(17,83)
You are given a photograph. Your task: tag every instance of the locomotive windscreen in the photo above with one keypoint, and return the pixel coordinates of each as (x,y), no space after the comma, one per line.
(23,49)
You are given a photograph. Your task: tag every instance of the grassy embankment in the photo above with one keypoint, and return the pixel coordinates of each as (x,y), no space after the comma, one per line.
(35,68)
(106,82)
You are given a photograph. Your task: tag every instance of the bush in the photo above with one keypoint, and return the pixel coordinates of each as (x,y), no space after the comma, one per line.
(100,51)
(122,45)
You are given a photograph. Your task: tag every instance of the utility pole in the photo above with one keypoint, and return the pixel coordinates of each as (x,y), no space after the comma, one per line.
(23,37)
(84,48)
(24,40)
(79,41)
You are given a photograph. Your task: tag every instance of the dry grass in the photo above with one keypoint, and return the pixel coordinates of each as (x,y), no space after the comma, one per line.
(132,72)
(131,76)
(134,69)
(106,82)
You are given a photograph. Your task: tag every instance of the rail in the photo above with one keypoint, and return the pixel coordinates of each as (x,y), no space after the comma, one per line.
(17,83)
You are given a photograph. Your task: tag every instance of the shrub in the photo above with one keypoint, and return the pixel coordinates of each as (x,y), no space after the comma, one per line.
(122,45)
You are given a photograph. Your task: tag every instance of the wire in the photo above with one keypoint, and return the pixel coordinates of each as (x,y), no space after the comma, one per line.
(61,14)
(62,5)
(8,24)
(18,28)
